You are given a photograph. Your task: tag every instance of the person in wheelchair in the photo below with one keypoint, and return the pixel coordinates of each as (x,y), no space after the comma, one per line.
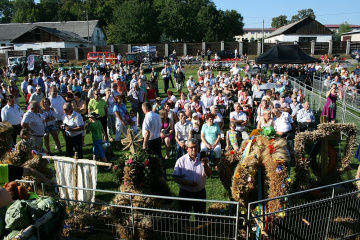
(305,118)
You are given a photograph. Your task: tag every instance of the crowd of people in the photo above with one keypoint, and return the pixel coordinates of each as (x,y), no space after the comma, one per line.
(212,111)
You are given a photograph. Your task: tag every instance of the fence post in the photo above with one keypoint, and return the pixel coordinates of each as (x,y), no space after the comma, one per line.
(222,46)
(241,48)
(94,48)
(348,46)
(76,54)
(312,47)
(129,48)
(166,49)
(259,48)
(185,49)
(330,47)
(112,48)
(59,52)
(132,216)
(330,213)
(203,46)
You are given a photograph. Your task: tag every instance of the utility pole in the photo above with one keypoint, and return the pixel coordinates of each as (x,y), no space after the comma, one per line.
(88,27)
(262,46)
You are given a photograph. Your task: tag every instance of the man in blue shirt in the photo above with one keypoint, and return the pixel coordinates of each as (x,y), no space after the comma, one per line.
(305,118)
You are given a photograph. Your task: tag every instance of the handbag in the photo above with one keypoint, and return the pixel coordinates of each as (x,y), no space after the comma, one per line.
(332,106)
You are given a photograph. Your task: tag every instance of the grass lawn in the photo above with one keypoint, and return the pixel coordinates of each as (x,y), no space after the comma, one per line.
(215,190)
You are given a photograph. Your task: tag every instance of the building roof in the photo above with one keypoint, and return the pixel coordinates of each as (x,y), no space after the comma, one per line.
(65,35)
(290,27)
(352,32)
(10,31)
(258,29)
(338,25)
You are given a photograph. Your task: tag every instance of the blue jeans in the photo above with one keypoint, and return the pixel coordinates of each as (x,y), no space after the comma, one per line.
(180,151)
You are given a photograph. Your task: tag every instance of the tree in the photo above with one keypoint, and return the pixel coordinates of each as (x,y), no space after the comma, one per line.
(343,28)
(135,23)
(6,11)
(279,21)
(302,14)
(48,10)
(231,25)
(24,11)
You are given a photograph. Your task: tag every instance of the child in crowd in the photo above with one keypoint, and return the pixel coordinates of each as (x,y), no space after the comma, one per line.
(97,132)
(134,121)
(232,137)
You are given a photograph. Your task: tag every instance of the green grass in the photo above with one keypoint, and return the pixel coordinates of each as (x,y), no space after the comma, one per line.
(106,181)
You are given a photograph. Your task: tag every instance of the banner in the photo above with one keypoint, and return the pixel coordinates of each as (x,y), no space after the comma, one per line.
(31,63)
(143,48)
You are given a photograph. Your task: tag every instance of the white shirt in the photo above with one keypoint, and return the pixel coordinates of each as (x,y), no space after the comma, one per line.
(283,123)
(191,83)
(152,123)
(183,130)
(75,120)
(207,100)
(36,123)
(98,78)
(188,169)
(57,104)
(235,70)
(179,105)
(24,86)
(12,114)
(238,116)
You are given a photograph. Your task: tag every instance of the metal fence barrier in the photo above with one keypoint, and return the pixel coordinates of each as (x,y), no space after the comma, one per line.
(220,222)
(334,215)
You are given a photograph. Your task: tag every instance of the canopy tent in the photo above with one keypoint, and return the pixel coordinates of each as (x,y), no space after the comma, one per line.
(285,54)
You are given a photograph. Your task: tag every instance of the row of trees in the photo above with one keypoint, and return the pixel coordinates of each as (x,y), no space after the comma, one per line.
(140,21)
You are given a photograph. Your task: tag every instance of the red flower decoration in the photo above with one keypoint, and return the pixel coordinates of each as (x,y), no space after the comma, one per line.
(303,158)
(130,161)
(115,167)
(243,149)
(146,162)
(272,148)
(253,140)
(232,152)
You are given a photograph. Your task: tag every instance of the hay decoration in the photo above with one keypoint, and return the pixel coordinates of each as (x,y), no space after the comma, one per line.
(6,130)
(143,174)
(20,155)
(302,175)
(41,165)
(273,154)
(131,141)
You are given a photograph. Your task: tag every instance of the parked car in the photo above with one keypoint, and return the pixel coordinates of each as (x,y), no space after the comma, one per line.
(354,53)
(226,54)
(35,63)
(133,59)
(98,56)
(17,64)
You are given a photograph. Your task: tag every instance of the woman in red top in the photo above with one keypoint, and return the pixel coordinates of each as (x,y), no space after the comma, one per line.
(151,92)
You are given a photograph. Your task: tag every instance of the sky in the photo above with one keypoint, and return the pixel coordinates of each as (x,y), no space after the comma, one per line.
(326,12)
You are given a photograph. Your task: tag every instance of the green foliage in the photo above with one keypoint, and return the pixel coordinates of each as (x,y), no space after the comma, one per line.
(279,21)
(6,11)
(302,14)
(343,28)
(24,11)
(231,25)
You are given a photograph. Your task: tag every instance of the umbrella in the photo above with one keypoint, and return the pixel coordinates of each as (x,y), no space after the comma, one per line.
(346,65)
(269,86)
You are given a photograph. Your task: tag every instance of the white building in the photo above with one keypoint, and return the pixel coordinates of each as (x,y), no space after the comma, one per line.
(75,34)
(336,27)
(253,33)
(304,30)
(351,36)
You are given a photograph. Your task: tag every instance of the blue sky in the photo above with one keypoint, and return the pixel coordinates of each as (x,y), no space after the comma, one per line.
(326,12)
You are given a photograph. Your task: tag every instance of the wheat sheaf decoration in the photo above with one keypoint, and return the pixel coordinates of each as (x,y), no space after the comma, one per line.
(131,141)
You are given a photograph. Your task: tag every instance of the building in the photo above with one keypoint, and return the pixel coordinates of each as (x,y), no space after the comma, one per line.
(253,34)
(351,36)
(335,27)
(304,30)
(51,34)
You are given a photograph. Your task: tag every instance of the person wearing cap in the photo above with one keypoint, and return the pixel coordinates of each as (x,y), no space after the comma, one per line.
(295,106)
(35,121)
(97,132)
(73,124)
(37,95)
(165,73)
(13,114)
(284,106)
(182,134)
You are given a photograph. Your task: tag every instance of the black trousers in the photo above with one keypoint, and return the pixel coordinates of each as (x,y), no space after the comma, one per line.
(166,83)
(15,133)
(103,121)
(74,143)
(187,206)
(155,146)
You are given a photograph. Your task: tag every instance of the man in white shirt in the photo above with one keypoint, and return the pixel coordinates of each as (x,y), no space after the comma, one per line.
(305,118)
(182,133)
(98,78)
(283,123)
(73,124)
(165,73)
(235,70)
(24,86)
(57,103)
(13,114)
(190,173)
(207,99)
(240,119)
(191,83)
